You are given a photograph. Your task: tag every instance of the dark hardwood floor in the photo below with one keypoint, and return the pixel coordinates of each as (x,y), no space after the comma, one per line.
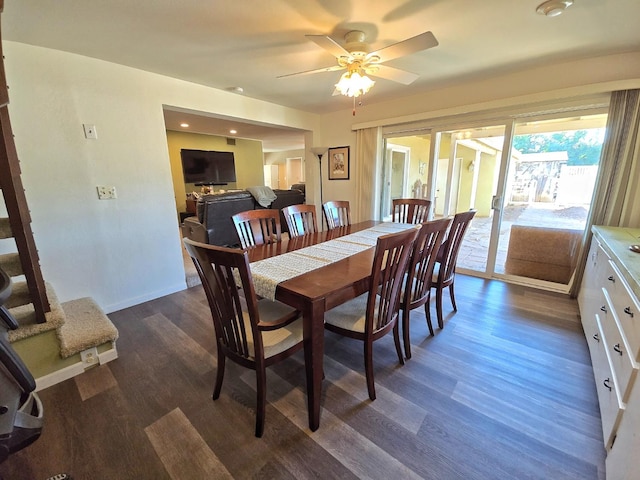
(504,391)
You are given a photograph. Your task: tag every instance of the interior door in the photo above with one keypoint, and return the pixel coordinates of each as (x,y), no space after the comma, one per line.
(442,169)
(294,171)
(397,174)
(395,177)
(282,176)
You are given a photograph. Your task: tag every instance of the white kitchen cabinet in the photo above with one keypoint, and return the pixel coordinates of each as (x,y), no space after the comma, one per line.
(610,313)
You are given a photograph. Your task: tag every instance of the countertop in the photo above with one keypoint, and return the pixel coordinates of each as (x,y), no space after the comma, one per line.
(615,241)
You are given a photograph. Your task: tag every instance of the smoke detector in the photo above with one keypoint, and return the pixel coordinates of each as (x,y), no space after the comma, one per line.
(553,8)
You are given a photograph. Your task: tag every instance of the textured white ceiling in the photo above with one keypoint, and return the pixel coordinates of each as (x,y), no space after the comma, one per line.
(249,43)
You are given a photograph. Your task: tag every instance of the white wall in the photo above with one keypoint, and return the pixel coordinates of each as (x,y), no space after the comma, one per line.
(289,173)
(125,251)
(271,158)
(340,135)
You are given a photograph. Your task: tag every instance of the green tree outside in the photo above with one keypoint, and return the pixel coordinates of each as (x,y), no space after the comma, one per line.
(582,146)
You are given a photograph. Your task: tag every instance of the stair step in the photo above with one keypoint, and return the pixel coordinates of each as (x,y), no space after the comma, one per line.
(76,336)
(5,228)
(24,314)
(19,295)
(26,317)
(10,263)
(85,326)
(81,324)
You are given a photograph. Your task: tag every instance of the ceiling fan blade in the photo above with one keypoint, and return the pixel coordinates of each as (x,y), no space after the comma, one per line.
(394,74)
(333,68)
(329,45)
(406,47)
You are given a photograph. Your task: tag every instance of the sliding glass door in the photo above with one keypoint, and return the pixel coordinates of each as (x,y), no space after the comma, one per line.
(468,177)
(530,181)
(548,195)
(533,195)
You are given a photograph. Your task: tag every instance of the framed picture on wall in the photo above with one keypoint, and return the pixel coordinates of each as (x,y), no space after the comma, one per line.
(339,163)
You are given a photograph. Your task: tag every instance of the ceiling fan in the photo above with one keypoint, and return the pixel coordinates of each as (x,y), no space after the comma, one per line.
(359,62)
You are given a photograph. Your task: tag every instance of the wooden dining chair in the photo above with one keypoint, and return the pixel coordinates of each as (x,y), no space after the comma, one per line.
(337,213)
(256,335)
(417,291)
(301,219)
(258,227)
(372,315)
(444,273)
(410,210)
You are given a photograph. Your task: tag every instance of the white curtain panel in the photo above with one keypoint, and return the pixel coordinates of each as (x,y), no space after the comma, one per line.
(619,161)
(619,177)
(368,149)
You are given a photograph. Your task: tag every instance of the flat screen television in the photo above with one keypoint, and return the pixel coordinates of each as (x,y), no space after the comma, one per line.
(204,167)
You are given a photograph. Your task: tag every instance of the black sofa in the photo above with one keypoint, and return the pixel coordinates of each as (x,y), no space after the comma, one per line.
(213,224)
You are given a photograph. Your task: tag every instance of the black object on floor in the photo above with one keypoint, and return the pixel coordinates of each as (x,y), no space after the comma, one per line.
(20,407)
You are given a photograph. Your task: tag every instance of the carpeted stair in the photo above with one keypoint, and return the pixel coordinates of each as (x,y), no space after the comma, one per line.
(71,328)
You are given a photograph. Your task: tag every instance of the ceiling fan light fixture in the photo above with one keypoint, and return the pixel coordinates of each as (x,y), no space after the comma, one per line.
(353,84)
(553,8)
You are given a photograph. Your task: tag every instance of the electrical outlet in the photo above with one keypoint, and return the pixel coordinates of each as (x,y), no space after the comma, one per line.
(106,193)
(90,131)
(89,357)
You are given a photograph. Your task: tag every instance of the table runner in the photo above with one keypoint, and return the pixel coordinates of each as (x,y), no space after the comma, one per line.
(268,273)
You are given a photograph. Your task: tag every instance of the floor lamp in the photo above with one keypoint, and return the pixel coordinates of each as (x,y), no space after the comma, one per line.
(318,152)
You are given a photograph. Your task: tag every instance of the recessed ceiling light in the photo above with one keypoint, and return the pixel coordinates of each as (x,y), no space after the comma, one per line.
(235,89)
(184,125)
(233,132)
(553,8)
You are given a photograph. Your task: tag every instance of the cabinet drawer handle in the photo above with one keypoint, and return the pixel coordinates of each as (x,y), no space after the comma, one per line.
(616,347)
(606,383)
(603,308)
(596,337)
(611,279)
(628,311)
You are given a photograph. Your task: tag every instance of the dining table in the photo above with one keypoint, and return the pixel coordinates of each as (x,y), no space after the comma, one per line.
(327,269)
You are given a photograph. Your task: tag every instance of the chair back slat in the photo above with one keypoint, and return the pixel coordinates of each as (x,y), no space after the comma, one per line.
(258,227)
(337,213)
(451,247)
(422,262)
(387,274)
(301,219)
(411,210)
(216,266)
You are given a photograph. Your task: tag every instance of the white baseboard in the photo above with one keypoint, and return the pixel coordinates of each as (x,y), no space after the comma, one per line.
(130,302)
(109,355)
(59,376)
(71,371)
